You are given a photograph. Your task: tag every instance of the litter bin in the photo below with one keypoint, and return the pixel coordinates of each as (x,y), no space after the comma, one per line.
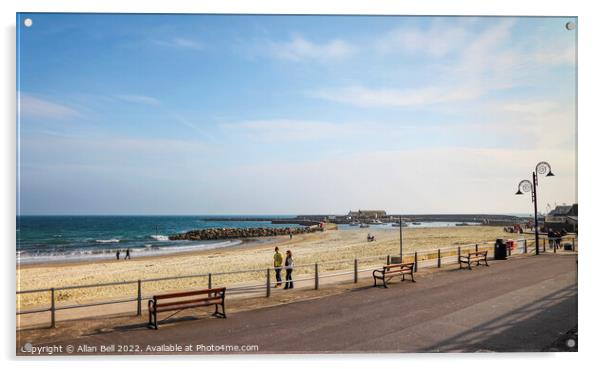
(500,251)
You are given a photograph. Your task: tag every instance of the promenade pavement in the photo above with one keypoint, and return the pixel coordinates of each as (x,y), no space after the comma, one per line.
(521,304)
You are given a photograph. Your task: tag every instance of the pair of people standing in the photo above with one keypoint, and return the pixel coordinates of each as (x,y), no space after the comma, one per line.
(288,266)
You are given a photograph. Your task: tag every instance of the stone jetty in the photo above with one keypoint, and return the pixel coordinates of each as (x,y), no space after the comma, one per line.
(227,233)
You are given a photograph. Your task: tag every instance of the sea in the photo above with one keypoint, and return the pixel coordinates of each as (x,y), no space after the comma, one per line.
(44,239)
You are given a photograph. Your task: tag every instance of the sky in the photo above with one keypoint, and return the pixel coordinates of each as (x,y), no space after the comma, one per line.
(208,114)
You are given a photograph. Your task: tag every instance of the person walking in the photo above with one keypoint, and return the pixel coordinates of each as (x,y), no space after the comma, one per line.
(288,265)
(127,254)
(277,266)
(117,254)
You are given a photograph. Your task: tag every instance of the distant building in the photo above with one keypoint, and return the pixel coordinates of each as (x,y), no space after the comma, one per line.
(562,217)
(367,214)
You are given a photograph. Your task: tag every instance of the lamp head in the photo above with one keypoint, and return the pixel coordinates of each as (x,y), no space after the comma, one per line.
(550,174)
(518,192)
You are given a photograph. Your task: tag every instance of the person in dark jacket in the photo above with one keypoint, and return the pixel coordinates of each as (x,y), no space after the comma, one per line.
(289,265)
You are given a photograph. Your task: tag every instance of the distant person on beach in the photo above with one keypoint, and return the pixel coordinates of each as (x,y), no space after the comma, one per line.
(117,254)
(277,266)
(288,265)
(290,236)
(127,254)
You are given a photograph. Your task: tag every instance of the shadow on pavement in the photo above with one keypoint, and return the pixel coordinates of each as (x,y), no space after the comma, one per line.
(506,332)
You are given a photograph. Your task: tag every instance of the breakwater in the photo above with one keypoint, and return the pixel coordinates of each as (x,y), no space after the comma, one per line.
(239,233)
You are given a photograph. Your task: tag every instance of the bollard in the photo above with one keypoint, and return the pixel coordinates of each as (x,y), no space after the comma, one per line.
(388,259)
(509,250)
(438,258)
(525,246)
(267,284)
(476,247)
(415,261)
(544,246)
(317,282)
(139,309)
(209,281)
(355,271)
(458,254)
(52,309)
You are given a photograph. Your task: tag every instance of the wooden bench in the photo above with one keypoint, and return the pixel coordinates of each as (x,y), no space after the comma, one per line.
(391,270)
(473,257)
(186,300)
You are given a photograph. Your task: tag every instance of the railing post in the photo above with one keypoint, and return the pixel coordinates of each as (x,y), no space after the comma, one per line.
(267,283)
(525,246)
(438,258)
(415,261)
(388,259)
(355,271)
(509,250)
(209,281)
(139,308)
(458,254)
(573,244)
(544,245)
(476,247)
(317,281)
(52,309)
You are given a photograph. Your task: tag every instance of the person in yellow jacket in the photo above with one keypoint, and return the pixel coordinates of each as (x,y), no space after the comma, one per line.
(277,267)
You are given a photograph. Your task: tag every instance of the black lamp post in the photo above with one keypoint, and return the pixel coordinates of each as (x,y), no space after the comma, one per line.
(527,186)
(400,241)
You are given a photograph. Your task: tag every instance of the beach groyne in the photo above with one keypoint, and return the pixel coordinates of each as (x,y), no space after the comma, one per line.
(238,233)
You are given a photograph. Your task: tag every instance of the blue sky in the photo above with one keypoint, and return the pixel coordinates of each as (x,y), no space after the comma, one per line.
(200,114)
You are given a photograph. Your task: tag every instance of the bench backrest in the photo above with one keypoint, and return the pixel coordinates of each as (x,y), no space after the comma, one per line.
(398,266)
(211,293)
(479,253)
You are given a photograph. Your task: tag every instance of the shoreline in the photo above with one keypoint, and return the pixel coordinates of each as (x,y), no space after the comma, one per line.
(245,244)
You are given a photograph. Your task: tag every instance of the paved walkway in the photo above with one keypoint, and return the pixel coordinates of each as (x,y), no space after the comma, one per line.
(522,304)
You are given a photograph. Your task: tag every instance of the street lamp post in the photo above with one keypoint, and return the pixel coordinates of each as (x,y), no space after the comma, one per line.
(527,186)
(400,241)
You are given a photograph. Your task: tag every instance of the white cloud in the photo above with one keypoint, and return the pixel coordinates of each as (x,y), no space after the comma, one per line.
(301,49)
(436,41)
(467,66)
(30,106)
(139,99)
(289,129)
(181,43)
(399,98)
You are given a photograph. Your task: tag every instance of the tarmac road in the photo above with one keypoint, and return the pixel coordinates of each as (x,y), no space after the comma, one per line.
(521,304)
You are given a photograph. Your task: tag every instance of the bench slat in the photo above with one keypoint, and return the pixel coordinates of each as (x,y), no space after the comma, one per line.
(209,301)
(189,293)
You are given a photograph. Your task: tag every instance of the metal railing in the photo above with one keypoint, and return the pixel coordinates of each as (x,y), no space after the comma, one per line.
(422,258)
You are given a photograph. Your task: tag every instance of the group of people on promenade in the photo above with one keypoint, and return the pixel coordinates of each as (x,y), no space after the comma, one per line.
(127,254)
(288,267)
(554,237)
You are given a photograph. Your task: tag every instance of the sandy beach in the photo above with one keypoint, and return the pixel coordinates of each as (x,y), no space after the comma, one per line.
(321,247)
